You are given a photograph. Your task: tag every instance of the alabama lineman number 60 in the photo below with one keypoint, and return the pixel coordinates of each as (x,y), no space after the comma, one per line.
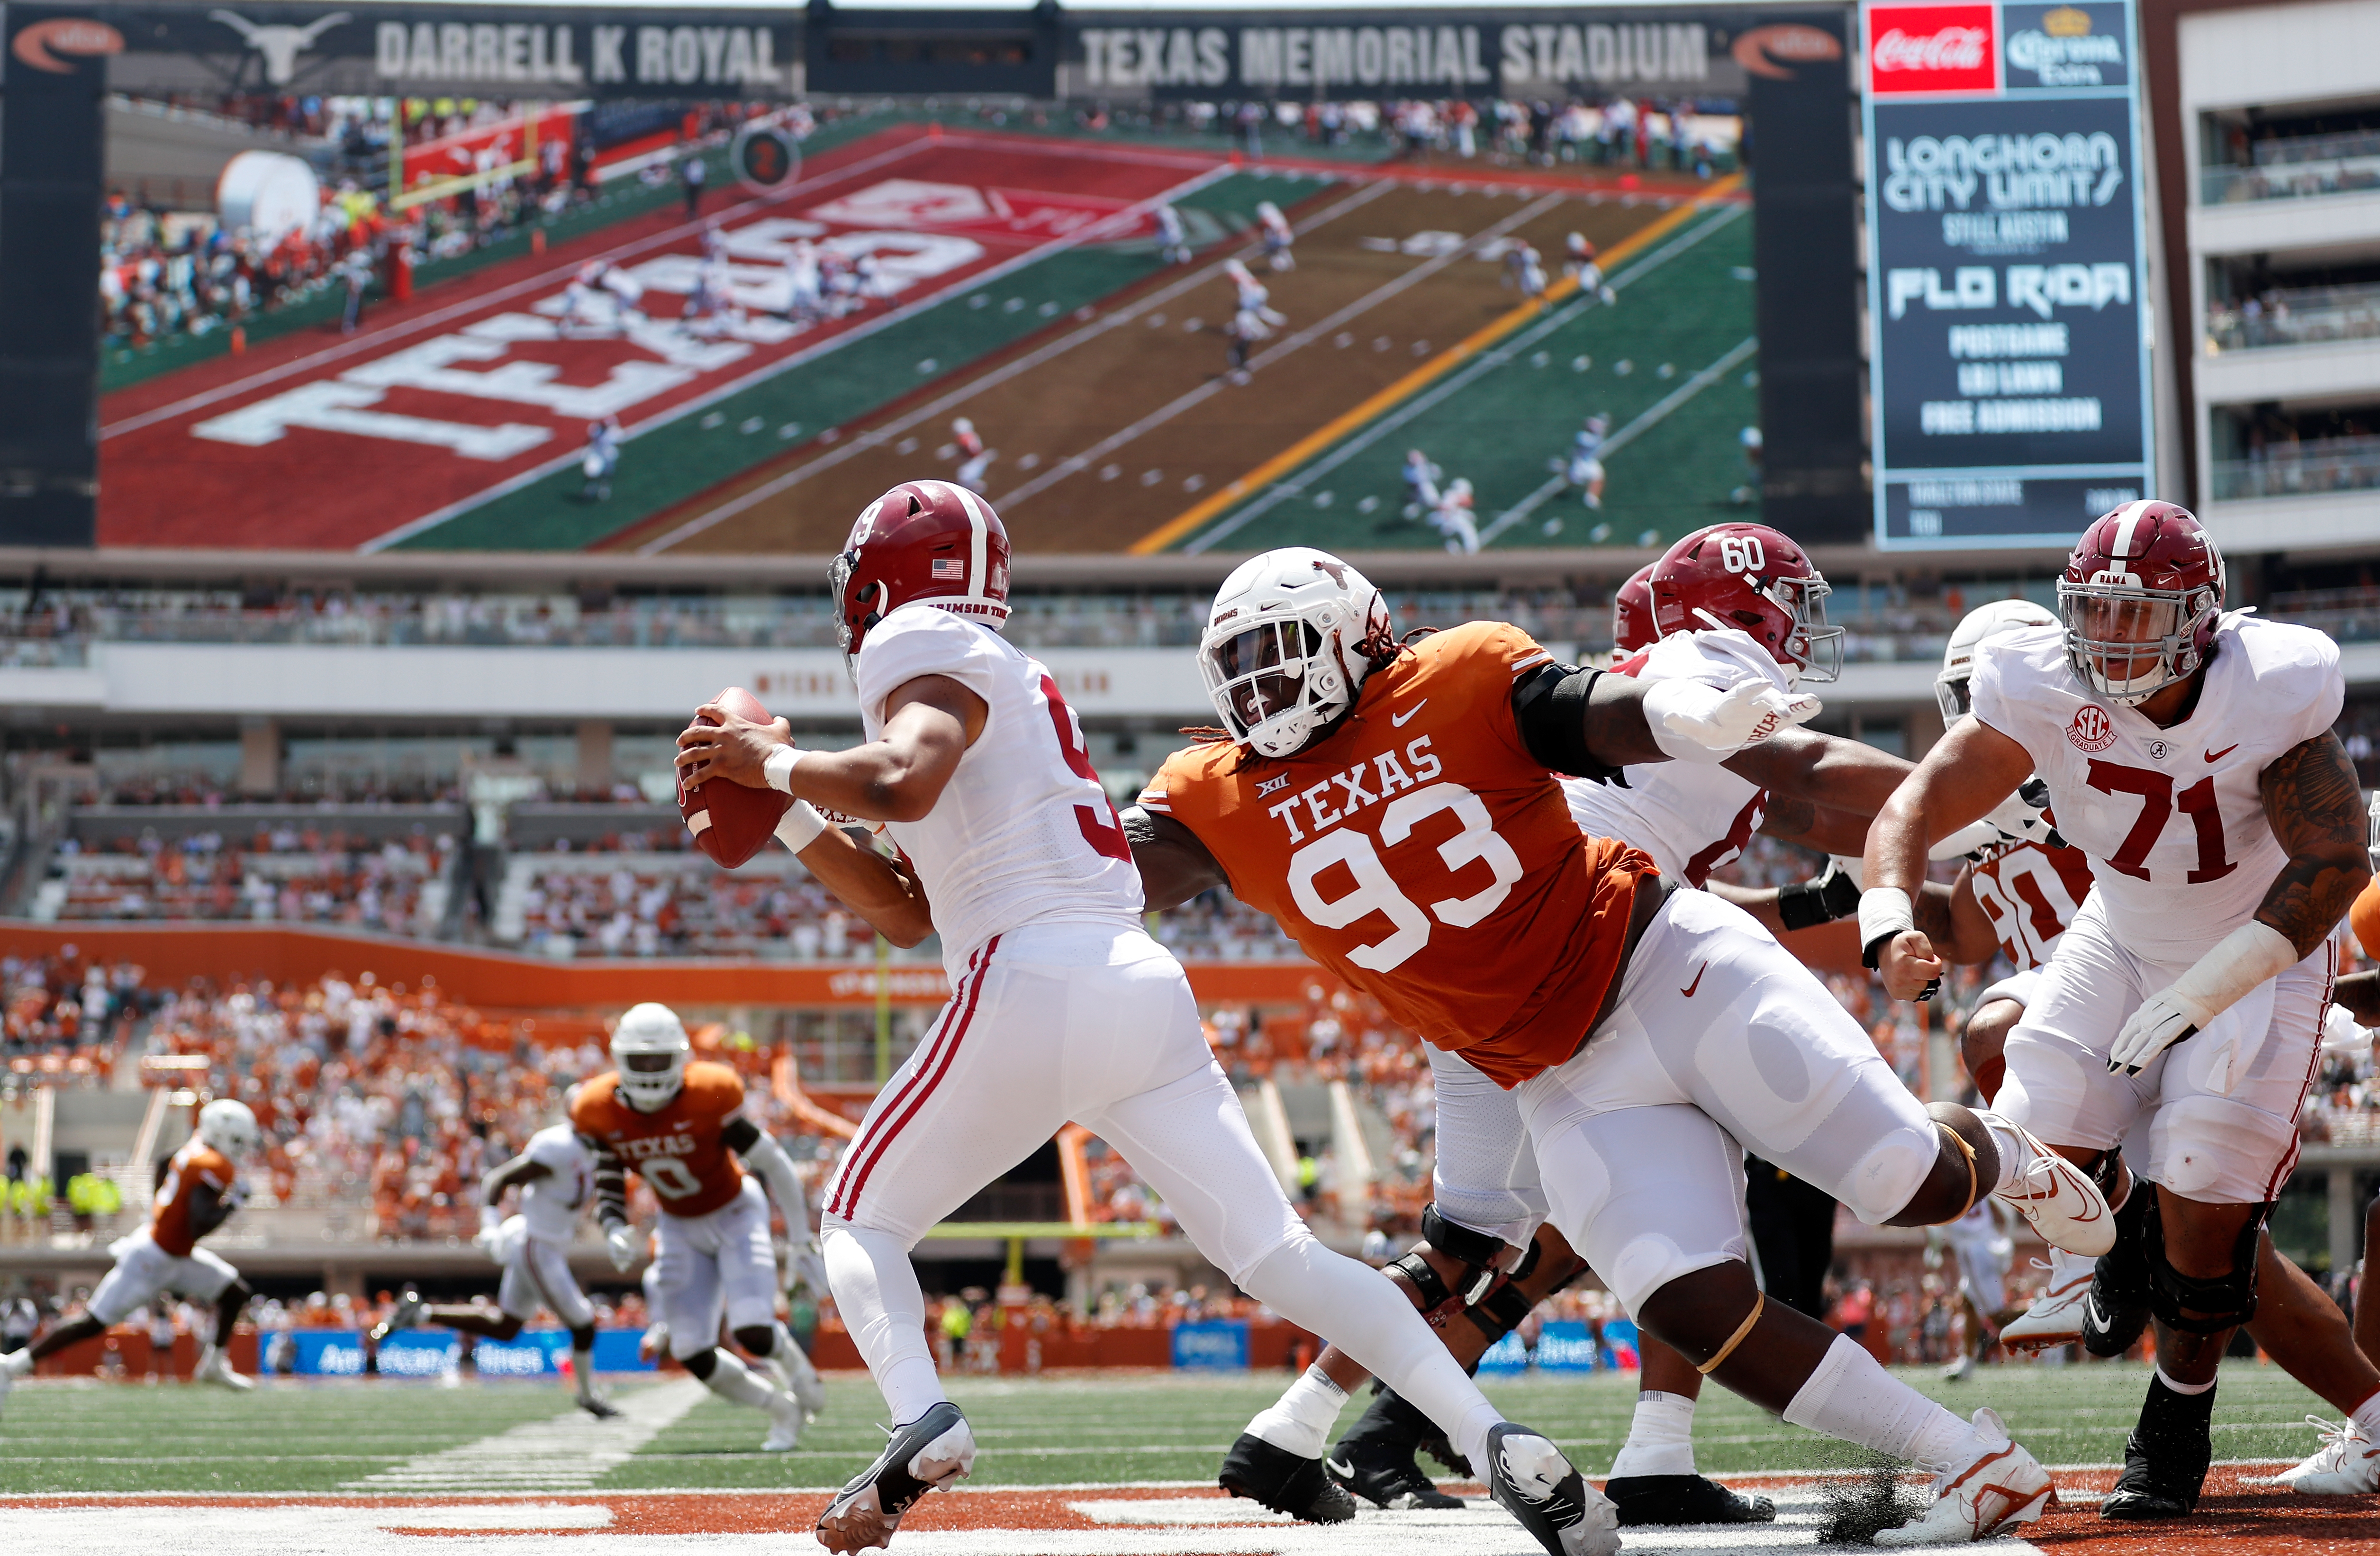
(1477,843)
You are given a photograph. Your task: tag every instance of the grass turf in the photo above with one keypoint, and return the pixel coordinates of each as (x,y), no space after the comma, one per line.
(1516,410)
(300,1437)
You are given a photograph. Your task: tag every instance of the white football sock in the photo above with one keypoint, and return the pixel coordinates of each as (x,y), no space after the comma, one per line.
(1300,1421)
(1660,1439)
(2366,1418)
(730,1380)
(1363,1313)
(17,1362)
(1848,1395)
(789,1351)
(2015,1155)
(877,1293)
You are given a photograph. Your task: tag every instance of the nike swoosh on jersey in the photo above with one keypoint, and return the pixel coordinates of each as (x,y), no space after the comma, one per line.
(1689,989)
(2218,756)
(1399,719)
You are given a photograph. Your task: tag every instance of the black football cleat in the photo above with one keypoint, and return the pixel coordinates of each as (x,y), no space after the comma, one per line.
(1530,1478)
(601,1409)
(1385,1475)
(2116,1313)
(929,1452)
(406,1314)
(2164,1458)
(1683,1499)
(1283,1482)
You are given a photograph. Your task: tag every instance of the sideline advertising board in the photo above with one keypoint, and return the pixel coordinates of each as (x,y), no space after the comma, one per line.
(2007,271)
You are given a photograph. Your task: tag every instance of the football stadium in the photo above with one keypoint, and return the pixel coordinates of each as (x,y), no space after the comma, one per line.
(1169,777)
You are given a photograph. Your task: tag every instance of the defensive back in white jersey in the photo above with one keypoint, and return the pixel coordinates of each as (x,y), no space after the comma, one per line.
(1691,816)
(2173,819)
(1024,833)
(550,1205)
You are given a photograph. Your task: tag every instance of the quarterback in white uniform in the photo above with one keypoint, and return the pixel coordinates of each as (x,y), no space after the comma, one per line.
(2189,752)
(555,1174)
(1062,1008)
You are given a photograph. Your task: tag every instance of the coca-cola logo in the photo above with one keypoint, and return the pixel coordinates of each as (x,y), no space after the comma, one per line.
(1931,48)
(1953,48)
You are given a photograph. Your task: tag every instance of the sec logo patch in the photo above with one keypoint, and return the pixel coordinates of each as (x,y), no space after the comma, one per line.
(2091,730)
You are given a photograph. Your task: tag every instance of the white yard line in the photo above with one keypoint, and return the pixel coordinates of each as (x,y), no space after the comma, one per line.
(1304,337)
(876,436)
(1650,418)
(1486,362)
(1104,226)
(568,1452)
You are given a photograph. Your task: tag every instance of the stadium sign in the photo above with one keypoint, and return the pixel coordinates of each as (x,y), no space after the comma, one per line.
(1467,52)
(2006,271)
(420,49)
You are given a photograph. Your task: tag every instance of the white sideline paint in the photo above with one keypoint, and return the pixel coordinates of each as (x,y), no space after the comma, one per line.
(568,1452)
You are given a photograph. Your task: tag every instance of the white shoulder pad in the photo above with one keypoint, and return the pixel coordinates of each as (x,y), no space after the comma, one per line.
(921,640)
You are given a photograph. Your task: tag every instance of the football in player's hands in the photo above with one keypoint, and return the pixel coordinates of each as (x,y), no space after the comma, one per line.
(731,821)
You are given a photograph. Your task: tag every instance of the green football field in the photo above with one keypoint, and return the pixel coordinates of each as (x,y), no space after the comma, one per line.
(310,1436)
(1673,364)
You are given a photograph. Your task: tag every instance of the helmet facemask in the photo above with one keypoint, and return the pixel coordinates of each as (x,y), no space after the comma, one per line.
(2113,627)
(1815,647)
(1276,683)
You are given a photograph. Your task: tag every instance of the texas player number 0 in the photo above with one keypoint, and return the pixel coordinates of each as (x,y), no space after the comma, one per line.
(668,1177)
(1476,843)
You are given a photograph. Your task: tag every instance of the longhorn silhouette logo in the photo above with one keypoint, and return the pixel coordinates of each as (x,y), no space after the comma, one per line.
(280,45)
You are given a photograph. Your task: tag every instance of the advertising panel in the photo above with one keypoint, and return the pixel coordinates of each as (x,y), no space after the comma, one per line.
(2010,369)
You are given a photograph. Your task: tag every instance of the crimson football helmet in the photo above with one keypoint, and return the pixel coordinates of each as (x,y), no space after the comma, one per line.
(1757,580)
(931,541)
(2144,586)
(1632,613)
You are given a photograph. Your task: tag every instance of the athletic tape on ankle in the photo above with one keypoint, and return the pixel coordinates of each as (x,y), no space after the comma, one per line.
(1759,1301)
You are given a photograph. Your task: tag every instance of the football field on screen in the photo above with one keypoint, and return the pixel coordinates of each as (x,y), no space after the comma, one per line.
(1091,1464)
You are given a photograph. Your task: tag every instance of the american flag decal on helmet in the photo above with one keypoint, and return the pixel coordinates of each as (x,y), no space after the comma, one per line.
(949,567)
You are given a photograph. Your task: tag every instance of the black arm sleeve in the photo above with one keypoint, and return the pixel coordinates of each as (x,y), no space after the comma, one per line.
(208,1208)
(611,1187)
(1550,705)
(740,1134)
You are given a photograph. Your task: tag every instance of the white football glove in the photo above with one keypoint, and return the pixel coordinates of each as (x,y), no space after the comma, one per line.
(1693,722)
(2164,1019)
(806,1266)
(625,1246)
(489,1239)
(2023,816)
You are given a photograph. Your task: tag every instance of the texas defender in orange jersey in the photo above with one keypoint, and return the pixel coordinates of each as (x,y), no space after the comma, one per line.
(1397,811)
(681,1127)
(198,1190)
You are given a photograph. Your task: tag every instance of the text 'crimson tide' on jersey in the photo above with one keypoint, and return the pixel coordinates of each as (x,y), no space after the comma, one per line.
(169,1219)
(676,1149)
(2030,892)
(2173,819)
(550,1205)
(1023,833)
(1691,816)
(1423,854)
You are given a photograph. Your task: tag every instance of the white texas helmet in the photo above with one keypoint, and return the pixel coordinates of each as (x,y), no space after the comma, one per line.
(1958,658)
(226,1125)
(650,1045)
(1287,646)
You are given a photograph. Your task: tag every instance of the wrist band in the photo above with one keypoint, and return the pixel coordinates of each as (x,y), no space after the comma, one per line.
(800,826)
(779,769)
(1884,912)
